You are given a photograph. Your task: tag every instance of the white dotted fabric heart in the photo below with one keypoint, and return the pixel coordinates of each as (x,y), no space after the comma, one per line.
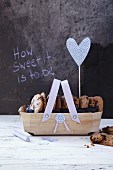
(78,52)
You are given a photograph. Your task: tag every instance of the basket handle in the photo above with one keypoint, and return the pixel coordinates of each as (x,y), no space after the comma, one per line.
(69,101)
(68,97)
(51,100)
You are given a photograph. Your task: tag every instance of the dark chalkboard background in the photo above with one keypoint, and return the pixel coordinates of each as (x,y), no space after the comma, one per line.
(33,49)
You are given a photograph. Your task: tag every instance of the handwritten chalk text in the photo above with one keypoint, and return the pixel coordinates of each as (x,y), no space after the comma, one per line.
(27,66)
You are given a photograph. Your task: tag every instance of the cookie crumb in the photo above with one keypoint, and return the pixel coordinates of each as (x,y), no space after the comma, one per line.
(87,146)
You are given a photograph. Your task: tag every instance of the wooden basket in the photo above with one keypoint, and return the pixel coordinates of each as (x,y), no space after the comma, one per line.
(89,122)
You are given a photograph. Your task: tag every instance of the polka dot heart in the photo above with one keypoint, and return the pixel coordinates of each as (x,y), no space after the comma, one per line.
(78,52)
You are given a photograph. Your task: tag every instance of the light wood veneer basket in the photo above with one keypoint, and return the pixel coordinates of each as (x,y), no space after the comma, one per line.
(89,122)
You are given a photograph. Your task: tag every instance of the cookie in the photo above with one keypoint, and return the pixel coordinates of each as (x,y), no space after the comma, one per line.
(102,139)
(64,104)
(58,102)
(22,108)
(99,103)
(91,102)
(44,100)
(76,101)
(32,102)
(97,137)
(108,140)
(108,130)
(37,103)
(83,101)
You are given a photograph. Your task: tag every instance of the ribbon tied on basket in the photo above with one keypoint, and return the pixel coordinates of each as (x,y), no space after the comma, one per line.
(60,118)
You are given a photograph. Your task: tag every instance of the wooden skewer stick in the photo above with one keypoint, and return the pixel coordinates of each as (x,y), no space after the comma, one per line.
(79,83)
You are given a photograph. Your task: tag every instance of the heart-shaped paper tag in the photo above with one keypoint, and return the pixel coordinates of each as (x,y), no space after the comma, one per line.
(78,52)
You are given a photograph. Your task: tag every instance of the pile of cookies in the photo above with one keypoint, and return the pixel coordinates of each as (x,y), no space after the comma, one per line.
(103,137)
(83,104)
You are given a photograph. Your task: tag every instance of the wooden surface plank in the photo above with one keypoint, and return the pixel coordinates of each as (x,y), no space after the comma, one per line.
(64,152)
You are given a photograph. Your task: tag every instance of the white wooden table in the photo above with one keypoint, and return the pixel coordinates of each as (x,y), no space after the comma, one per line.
(64,153)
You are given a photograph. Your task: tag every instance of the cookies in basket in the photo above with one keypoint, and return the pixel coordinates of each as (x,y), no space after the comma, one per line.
(83,104)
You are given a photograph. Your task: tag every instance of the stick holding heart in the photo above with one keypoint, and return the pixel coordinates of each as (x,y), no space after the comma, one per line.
(78,52)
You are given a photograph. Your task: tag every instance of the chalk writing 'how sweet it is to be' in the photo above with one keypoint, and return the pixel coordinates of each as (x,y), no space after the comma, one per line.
(27,66)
